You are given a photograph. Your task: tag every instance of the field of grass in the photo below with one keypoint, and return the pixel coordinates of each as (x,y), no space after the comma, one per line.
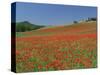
(57,48)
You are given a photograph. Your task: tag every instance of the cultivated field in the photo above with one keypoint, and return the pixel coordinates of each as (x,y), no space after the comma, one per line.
(57,48)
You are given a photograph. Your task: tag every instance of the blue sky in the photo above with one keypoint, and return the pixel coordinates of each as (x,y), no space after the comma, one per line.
(51,14)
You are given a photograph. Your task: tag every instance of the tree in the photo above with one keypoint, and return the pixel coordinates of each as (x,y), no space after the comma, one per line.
(91,19)
(75,22)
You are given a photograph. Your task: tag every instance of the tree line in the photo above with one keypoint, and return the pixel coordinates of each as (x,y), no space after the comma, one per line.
(87,20)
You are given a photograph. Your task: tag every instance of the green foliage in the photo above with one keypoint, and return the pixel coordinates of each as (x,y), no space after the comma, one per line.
(32,59)
(35,68)
(92,19)
(26,26)
(75,22)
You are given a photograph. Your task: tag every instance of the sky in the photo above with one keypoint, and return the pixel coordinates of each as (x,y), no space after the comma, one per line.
(52,14)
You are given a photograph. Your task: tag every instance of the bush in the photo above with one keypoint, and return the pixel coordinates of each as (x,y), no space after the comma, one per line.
(75,22)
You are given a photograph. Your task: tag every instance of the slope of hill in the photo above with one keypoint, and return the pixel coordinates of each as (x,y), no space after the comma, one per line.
(57,48)
(26,26)
(79,28)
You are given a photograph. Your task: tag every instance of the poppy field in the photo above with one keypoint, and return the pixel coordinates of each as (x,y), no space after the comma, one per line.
(57,48)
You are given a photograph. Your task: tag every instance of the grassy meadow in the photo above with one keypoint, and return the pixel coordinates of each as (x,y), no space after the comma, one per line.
(57,48)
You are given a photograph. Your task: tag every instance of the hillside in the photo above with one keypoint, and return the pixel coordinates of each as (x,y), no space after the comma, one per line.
(57,48)
(79,28)
(85,27)
(26,26)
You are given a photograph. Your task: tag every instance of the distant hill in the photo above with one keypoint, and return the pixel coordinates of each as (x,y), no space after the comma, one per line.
(26,26)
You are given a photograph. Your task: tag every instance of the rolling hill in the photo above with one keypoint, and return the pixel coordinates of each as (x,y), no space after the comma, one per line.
(79,28)
(57,48)
(26,26)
